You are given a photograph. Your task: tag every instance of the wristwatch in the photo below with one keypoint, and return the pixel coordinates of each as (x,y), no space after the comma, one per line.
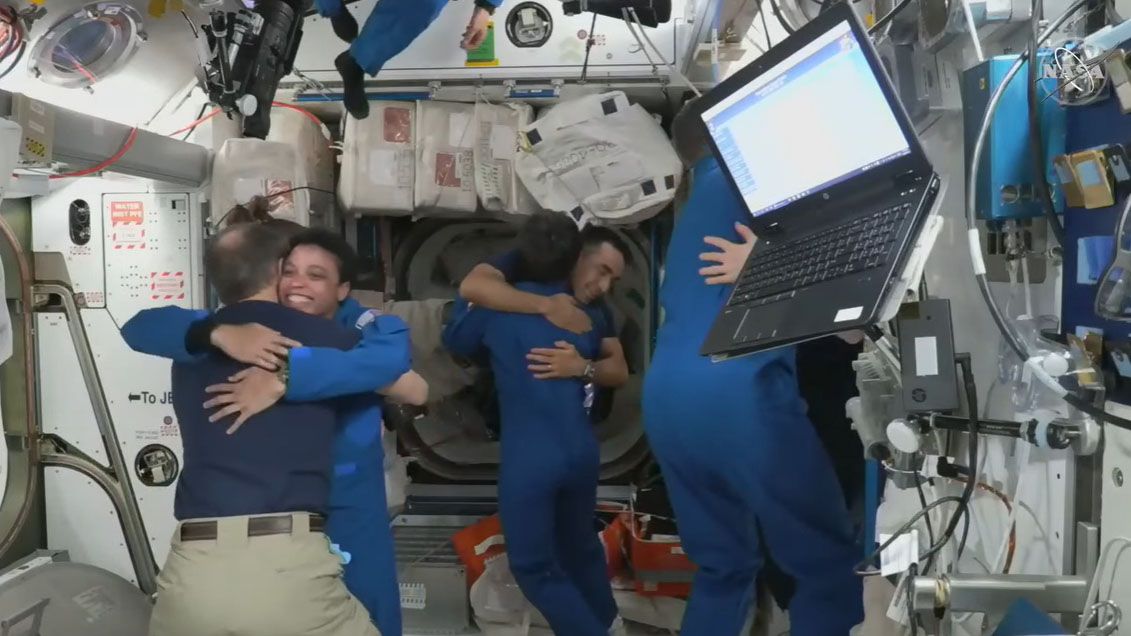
(283,373)
(590,372)
(486,6)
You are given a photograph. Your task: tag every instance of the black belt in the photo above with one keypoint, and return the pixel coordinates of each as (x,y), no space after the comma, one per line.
(256,527)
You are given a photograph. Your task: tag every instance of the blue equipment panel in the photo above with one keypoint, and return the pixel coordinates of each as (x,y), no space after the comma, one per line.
(1089,247)
(1089,233)
(1005,181)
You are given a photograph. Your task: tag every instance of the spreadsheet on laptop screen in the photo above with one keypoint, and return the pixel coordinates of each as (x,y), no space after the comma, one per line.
(815,119)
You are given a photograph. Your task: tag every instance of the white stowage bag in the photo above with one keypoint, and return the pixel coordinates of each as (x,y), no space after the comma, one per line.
(311,141)
(496,149)
(246,168)
(445,176)
(379,161)
(600,157)
(500,607)
(396,473)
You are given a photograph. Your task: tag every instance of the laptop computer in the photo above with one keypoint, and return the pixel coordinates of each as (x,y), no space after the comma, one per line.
(823,156)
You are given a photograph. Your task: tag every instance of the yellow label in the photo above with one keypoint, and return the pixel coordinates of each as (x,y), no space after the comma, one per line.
(157,8)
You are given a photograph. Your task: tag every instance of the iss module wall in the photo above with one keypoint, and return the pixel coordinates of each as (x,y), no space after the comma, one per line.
(118,246)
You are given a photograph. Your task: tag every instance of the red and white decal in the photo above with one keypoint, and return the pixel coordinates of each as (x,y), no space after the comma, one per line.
(127,225)
(167,285)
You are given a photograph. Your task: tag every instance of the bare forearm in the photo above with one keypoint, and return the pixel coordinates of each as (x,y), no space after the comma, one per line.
(497,294)
(409,389)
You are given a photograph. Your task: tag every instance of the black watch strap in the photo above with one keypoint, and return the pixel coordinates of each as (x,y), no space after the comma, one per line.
(486,6)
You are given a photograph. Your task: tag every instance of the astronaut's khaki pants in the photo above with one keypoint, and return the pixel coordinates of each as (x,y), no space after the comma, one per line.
(235,585)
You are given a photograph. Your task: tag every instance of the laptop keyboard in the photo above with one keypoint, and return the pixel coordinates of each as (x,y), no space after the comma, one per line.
(862,244)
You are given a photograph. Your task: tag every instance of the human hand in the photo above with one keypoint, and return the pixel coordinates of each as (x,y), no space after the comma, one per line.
(730,257)
(476,29)
(253,344)
(562,311)
(245,394)
(562,362)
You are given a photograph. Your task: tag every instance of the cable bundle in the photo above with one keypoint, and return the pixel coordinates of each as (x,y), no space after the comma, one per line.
(13,41)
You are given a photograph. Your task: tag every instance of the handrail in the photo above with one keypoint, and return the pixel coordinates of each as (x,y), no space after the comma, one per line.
(134,525)
(31,425)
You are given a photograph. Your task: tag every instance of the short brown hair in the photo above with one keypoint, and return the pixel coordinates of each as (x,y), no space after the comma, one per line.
(258,210)
(243,260)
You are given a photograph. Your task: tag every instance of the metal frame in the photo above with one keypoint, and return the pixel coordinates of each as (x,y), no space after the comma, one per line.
(114,479)
(83,141)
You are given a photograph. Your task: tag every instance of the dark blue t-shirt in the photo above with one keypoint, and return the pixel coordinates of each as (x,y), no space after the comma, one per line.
(279,460)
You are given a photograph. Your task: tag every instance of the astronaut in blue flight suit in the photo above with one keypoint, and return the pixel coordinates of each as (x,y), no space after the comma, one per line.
(389,29)
(733,440)
(316,279)
(550,457)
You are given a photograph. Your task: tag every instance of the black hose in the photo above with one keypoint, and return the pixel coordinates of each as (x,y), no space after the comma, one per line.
(1036,143)
(781,19)
(889,16)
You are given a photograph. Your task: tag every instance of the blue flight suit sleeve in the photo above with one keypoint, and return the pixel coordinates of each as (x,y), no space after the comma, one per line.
(383,355)
(464,335)
(162,332)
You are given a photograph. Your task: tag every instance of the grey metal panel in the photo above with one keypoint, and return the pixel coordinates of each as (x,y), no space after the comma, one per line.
(82,141)
(433,581)
(68,599)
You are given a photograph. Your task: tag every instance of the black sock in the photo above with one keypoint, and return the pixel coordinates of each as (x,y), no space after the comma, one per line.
(353,85)
(345,26)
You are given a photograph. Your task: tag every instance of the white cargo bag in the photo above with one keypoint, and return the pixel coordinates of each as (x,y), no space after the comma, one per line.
(600,159)
(379,161)
(311,141)
(445,174)
(246,168)
(496,149)
(496,599)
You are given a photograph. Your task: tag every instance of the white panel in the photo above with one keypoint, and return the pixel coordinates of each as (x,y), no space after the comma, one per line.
(148,248)
(65,409)
(49,230)
(436,53)
(1115,523)
(81,519)
(152,269)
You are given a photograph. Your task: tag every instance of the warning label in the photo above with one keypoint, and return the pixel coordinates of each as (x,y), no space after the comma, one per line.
(169,428)
(167,285)
(398,125)
(127,223)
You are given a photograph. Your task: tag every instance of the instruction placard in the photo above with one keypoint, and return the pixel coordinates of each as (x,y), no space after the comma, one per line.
(127,225)
(167,285)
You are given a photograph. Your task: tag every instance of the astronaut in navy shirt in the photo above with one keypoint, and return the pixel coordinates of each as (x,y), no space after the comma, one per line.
(250,556)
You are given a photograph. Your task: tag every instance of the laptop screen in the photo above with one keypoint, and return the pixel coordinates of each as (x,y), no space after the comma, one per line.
(817,118)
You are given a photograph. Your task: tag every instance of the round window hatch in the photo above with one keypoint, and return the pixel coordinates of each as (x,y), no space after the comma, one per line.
(157,466)
(88,45)
(529,25)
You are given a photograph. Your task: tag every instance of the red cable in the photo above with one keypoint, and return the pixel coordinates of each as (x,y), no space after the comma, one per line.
(299,110)
(196,123)
(102,165)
